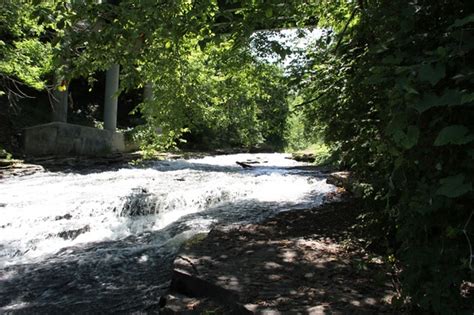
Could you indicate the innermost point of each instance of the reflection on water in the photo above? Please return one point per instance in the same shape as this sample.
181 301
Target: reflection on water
105 241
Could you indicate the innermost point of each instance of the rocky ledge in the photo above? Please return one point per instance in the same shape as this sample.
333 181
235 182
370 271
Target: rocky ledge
302 261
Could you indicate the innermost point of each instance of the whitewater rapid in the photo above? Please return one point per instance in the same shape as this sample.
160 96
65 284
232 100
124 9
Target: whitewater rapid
85 237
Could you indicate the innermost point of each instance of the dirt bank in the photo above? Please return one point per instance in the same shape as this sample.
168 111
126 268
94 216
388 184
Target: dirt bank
304 261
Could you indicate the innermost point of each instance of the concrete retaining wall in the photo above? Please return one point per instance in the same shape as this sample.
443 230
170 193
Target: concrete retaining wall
59 138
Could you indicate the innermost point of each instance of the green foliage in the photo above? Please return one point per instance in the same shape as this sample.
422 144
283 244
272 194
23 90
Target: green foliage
296 137
323 154
215 99
454 134
27 60
4 154
454 186
300 135
209 89
26 54
395 100
389 88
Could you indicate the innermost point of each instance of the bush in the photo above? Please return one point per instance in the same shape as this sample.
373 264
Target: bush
396 100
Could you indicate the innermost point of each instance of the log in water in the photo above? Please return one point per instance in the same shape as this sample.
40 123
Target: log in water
105 241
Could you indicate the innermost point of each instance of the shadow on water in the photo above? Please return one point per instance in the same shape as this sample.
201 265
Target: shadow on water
119 276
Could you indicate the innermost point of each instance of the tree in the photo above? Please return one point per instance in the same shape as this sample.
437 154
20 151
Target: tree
26 54
392 93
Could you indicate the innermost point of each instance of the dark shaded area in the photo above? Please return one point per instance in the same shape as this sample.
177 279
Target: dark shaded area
87 103
84 284
33 110
300 261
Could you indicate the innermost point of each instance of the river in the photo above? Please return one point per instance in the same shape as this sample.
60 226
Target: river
104 241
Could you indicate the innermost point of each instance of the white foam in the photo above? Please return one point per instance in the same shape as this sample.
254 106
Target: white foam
42 207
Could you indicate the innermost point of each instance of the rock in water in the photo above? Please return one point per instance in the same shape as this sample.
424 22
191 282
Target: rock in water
72 234
244 165
139 202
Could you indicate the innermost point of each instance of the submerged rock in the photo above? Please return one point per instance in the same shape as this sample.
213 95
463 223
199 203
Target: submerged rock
139 203
67 216
244 165
72 234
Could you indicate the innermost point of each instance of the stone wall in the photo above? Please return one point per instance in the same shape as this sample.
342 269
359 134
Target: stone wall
59 138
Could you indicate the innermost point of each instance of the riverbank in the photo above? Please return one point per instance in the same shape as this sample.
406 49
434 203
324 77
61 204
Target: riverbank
30 165
301 261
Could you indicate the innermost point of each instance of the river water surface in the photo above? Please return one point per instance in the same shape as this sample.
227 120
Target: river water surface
105 241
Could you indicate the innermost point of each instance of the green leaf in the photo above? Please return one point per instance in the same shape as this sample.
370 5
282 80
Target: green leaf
448 98
398 122
455 134
432 74
413 133
411 90
441 51
467 98
451 232
269 12
405 85
453 186
398 136
461 22
406 140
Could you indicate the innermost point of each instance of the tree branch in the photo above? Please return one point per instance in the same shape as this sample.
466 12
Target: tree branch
317 97
345 28
335 50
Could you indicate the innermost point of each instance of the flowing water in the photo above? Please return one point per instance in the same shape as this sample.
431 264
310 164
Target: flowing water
105 241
